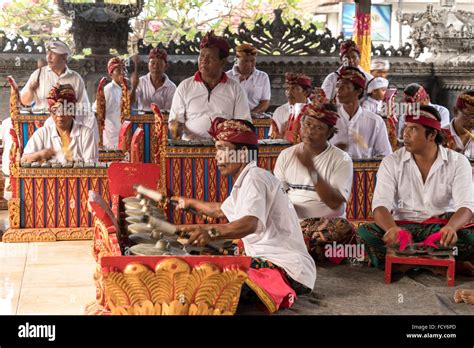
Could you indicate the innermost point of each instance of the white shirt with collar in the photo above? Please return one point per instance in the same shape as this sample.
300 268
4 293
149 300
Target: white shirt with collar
278 237
329 83
400 187
147 94
281 115
83 147
257 85
333 165
7 144
196 106
373 105
113 98
468 149
48 79
371 127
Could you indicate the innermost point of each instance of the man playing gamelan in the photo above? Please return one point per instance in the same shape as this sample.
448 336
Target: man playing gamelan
423 190
57 72
361 133
65 140
155 87
349 53
285 118
318 178
260 213
209 94
113 98
255 82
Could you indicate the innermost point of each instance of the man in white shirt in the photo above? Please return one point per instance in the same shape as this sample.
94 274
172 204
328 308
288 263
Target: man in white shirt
376 89
361 133
415 93
285 118
422 189
255 82
258 209
57 73
66 140
318 177
349 53
6 138
210 93
461 129
113 98
155 87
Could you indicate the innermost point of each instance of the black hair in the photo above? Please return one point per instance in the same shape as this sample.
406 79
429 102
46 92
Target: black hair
411 89
361 94
428 130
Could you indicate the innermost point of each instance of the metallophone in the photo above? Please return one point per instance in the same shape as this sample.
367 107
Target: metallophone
142 266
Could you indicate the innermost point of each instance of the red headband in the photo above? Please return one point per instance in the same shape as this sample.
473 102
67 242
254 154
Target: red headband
158 53
424 118
348 46
113 63
234 131
353 75
298 79
211 40
465 103
326 116
419 96
61 94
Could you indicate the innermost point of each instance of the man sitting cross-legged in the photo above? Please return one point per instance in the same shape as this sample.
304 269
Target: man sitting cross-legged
318 178
422 188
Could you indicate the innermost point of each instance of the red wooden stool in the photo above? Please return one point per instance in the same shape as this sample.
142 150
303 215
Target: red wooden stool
392 259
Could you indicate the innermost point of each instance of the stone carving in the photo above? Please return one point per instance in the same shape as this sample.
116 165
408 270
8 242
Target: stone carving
447 33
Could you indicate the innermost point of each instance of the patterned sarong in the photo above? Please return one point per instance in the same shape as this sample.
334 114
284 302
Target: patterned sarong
371 235
321 231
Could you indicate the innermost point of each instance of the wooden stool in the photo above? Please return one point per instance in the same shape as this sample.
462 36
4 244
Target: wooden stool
392 259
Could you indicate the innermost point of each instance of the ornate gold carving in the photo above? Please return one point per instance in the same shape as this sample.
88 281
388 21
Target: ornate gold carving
14 235
175 288
100 112
125 102
14 213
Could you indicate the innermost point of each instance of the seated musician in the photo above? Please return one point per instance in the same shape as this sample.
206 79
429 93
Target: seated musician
210 93
318 178
57 72
65 140
155 87
361 133
255 82
416 94
113 98
297 91
460 132
422 188
258 210
349 53
376 89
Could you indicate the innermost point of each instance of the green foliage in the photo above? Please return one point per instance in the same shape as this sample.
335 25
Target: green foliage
160 20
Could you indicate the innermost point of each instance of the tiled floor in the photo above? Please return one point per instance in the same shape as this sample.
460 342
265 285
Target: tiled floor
46 278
